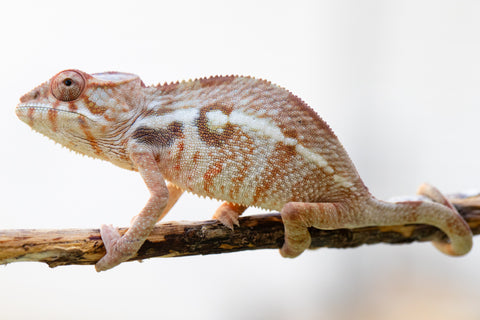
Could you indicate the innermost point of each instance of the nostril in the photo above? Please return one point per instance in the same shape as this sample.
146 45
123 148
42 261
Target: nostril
30 96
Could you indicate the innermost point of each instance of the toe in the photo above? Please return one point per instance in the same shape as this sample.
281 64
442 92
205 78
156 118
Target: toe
109 235
228 221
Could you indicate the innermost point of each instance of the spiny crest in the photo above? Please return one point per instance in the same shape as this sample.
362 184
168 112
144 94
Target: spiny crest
211 81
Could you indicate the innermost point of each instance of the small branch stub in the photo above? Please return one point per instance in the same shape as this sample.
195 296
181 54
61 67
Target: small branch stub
175 239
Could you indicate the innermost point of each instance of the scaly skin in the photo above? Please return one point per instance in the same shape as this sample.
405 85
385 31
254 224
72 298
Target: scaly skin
238 139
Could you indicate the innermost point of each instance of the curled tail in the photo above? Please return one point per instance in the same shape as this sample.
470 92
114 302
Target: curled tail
440 213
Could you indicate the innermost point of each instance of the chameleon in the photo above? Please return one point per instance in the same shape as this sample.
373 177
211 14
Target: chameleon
241 140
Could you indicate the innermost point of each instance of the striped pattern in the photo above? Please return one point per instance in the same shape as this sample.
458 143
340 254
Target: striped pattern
249 142
237 139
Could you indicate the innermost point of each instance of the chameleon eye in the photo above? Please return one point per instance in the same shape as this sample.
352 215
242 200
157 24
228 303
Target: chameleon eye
67 85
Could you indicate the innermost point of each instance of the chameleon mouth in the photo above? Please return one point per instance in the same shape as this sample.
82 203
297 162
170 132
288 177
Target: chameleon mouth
54 123
23 108
31 113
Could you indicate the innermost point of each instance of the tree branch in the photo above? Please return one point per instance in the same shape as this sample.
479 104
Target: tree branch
174 239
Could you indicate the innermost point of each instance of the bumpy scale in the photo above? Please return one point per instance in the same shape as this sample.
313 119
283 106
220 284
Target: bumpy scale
238 139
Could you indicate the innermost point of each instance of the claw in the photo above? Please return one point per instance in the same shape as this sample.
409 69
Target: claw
227 220
228 214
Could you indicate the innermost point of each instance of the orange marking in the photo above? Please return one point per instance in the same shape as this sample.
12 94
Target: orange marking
90 138
213 137
52 116
243 164
178 157
196 157
94 109
30 113
211 173
109 119
72 106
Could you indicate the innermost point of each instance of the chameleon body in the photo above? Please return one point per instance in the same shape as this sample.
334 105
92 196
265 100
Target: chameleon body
238 139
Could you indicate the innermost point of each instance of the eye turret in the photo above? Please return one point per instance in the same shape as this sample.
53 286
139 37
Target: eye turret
67 85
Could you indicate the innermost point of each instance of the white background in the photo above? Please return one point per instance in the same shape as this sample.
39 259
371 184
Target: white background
397 80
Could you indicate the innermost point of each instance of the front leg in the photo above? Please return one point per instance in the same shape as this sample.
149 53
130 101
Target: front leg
174 193
120 249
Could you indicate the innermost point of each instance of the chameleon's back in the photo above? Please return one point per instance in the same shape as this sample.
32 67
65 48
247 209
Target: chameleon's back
245 141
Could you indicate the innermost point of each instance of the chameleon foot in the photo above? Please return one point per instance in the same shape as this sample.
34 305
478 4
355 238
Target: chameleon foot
228 214
297 237
118 249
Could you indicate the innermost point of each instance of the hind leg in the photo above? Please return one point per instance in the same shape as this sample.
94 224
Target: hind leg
174 194
299 216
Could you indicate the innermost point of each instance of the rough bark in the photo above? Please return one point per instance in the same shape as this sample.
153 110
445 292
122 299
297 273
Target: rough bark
174 239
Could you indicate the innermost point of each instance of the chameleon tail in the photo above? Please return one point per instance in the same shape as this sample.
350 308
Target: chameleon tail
441 214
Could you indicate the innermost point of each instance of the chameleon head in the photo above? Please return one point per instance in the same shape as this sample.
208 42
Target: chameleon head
81 111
